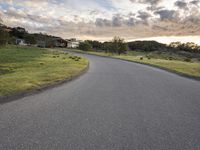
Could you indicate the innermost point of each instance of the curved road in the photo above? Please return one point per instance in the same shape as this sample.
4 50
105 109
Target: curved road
117 105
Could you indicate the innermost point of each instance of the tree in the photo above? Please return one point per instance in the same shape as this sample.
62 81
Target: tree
85 46
189 46
119 46
96 45
108 47
18 32
4 37
1 21
30 39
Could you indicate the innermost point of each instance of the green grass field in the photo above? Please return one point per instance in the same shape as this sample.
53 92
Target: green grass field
180 62
26 68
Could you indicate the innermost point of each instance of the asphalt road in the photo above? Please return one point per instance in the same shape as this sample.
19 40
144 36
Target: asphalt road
116 105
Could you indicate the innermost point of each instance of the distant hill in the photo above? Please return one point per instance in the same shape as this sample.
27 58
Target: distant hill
29 38
156 46
147 45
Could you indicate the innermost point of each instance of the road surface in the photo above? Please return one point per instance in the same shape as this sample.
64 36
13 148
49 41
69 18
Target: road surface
116 105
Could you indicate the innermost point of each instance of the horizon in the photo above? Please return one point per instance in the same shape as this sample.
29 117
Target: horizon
162 39
157 20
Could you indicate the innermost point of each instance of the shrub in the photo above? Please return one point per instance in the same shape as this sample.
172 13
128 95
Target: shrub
85 46
96 45
119 46
77 59
4 37
189 46
148 57
187 59
41 63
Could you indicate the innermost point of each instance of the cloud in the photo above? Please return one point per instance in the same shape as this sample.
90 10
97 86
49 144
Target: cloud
167 14
151 2
104 19
116 21
102 22
195 2
181 4
143 15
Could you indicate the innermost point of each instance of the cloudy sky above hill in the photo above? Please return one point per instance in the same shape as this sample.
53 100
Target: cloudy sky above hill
103 19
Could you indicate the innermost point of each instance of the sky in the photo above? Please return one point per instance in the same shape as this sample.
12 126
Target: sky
104 19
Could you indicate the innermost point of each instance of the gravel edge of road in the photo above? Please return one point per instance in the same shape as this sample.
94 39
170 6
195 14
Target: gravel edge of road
16 96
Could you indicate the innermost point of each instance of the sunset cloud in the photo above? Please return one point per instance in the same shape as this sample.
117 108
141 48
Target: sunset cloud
103 19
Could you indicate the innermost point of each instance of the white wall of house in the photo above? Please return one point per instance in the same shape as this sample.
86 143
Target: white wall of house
73 44
20 42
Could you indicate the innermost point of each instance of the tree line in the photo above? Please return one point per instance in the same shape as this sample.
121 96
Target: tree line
119 46
9 35
189 46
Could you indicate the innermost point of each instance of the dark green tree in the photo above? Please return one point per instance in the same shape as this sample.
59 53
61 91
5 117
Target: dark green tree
4 37
18 32
119 45
85 46
96 45
30 39
108 47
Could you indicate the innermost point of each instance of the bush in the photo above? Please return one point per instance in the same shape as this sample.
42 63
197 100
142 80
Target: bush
189 46
187 59
148 57
4 37
119 46
85 46
30 39
96 45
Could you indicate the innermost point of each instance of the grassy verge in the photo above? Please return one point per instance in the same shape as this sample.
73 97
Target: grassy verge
184 63
26 68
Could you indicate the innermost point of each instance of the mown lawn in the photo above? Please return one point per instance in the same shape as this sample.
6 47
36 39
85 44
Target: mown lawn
181 62
27 68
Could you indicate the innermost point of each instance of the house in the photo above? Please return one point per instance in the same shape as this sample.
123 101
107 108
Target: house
52 42
20 42
59 42
73 43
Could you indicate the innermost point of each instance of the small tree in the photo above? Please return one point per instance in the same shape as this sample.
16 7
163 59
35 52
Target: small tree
85 46
1 21
30 39
108 47
96 45
4 37
119 46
